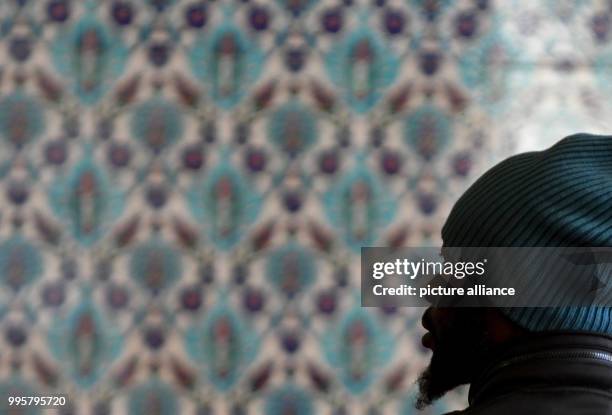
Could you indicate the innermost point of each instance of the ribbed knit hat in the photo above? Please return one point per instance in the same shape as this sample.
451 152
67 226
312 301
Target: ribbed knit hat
558 197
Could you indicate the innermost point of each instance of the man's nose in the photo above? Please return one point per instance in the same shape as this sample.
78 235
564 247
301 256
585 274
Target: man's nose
426 319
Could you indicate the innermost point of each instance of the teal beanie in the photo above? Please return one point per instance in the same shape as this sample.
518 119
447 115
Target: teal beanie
558 197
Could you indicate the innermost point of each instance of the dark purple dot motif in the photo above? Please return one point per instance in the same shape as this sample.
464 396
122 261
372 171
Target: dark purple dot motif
430 63
104 129
103 270
58 10
482 4
331 20
208 132
326 302
68 268
241 133
341 276
391 163
156 196
290 341
55 152
17 221
462 164
328 162
253 300
119 155
255 160
466 25
427 203
259 18
17 193
343 137
191 299
600 25
159 54
565 65
195 15
240 274
377 136
160 5
430 9
296 7
295 59
53 295
71 127
292 201
15 336
154 337
122 13
117 297
206 273
193 157
394 21
388 310
20 48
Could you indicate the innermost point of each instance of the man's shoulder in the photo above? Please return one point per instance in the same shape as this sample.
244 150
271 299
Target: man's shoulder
544 401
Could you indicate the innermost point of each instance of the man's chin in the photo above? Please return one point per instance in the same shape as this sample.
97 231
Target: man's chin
436 380
428 392
460 348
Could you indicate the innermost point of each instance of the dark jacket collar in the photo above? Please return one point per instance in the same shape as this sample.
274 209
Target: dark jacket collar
550 359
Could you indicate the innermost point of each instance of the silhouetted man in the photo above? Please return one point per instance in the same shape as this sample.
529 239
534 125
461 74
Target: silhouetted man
529 360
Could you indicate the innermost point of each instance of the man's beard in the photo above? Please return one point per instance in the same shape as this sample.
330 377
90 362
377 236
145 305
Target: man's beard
460 350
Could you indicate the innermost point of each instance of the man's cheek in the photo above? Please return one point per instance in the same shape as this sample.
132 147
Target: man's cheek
443 320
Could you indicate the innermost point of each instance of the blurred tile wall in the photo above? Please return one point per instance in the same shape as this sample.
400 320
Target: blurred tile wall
185 186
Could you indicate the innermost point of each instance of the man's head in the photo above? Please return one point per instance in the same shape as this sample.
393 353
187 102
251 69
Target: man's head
558 197
462 340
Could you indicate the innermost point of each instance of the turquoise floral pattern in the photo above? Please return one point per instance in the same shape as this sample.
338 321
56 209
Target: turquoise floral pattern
186 186
90 56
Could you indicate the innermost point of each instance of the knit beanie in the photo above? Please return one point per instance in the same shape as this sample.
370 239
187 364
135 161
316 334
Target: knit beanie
558 197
